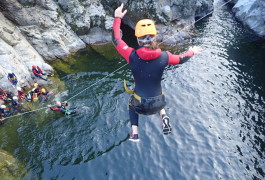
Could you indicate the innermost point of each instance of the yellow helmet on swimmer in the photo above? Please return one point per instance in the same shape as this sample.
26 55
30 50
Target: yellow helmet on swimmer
43 90
35 85
145 27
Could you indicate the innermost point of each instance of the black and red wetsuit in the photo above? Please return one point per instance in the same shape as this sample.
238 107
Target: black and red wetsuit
38 72
3 94
59 108
21 95
3 114
64 110
147 67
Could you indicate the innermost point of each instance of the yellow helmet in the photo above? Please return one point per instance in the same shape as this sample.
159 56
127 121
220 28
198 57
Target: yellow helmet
35 85
145 27
43 90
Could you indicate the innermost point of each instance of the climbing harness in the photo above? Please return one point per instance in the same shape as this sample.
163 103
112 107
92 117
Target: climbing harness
131 91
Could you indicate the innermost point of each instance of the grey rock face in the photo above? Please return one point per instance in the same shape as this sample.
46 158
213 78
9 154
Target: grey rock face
17 55
43 26
252 14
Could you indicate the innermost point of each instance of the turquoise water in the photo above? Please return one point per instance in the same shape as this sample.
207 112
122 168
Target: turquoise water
215 102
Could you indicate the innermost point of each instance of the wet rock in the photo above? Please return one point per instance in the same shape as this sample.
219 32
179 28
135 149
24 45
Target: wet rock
43 26
252 14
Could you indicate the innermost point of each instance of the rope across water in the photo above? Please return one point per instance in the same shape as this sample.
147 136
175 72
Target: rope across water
116 69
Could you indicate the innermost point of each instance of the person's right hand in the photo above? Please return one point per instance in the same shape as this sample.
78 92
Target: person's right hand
195 49
119 13
49 105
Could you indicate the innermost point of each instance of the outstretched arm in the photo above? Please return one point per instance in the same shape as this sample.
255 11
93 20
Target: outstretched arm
53 109
120 45
180 59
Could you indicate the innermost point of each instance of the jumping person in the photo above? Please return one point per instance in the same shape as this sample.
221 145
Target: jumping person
38 72
147 64
12 78
63 108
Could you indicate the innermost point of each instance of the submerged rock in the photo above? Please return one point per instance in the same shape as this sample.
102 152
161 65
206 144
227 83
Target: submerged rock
10 168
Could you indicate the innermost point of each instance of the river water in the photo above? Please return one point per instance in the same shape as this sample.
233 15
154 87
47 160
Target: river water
215 102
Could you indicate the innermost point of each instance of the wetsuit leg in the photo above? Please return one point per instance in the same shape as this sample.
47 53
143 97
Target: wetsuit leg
43 78
133 117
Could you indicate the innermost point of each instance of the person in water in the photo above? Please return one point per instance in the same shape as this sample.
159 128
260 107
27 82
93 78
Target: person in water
38 72
12 78
63 108
147 64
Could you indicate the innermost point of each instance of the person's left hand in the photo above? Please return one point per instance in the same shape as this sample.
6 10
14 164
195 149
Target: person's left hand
195 49
119 13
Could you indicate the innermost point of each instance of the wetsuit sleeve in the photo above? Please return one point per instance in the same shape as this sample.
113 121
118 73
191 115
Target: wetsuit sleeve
120 45
179 59
40 70
35 72
55 109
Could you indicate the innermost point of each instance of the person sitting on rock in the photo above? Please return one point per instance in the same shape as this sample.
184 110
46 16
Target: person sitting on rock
35 92
3 95
15 104
62 108
3 113
12 78
20 93
38 72
147 64
45 94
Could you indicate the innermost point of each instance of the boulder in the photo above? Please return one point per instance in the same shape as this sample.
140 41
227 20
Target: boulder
252 14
